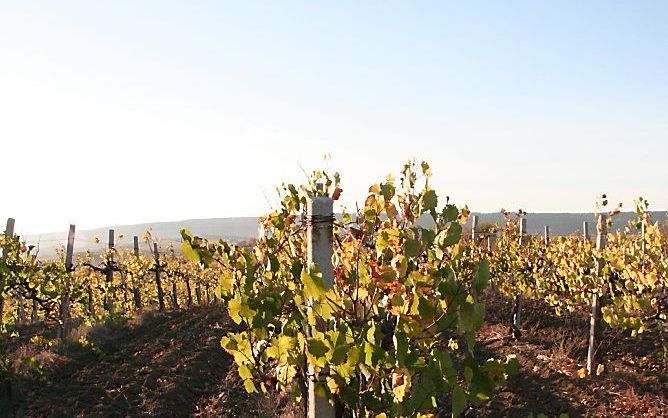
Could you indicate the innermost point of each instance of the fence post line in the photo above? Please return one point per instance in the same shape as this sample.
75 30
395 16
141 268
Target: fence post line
595 317
546 238
156 257
135 288
9 231
320 248
474 229
65 301
517 308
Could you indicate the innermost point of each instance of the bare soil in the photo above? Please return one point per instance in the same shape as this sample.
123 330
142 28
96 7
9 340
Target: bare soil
171 365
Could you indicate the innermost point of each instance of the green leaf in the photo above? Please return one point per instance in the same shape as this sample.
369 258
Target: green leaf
411 247
512 365
429 200
317 348
387 190
452 235
314 286
458 401
481 277
451 213
401 347
471 317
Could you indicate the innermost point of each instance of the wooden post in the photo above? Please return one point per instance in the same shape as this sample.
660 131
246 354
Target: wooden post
643 244
135 287
175 300
136 245
9 232
189 292
156 255
109 297
489 243
320 238
474 229
517 308
198 288
585 230
595 317
546 239
69 254
34 315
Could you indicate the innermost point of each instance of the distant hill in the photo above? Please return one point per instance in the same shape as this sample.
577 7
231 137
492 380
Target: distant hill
565 223
240 229
229 229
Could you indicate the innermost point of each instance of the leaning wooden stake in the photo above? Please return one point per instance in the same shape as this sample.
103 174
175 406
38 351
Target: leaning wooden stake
595 317
517 308
9 232
156 255
320 238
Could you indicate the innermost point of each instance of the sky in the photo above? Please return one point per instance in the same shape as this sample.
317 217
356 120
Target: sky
129 112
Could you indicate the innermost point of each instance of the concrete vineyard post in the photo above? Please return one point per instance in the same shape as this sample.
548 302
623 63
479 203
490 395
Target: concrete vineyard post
546 238
474 229
595 317
320 238
9 232
156 255
65 301
135 286
585 230
517 308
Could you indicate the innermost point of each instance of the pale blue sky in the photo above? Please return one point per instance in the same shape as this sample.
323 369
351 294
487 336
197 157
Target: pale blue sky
190 110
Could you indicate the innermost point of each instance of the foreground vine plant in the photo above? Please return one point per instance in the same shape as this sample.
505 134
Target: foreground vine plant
400 322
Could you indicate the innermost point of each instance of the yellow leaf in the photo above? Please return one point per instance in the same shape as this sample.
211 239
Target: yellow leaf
401 383
600 369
